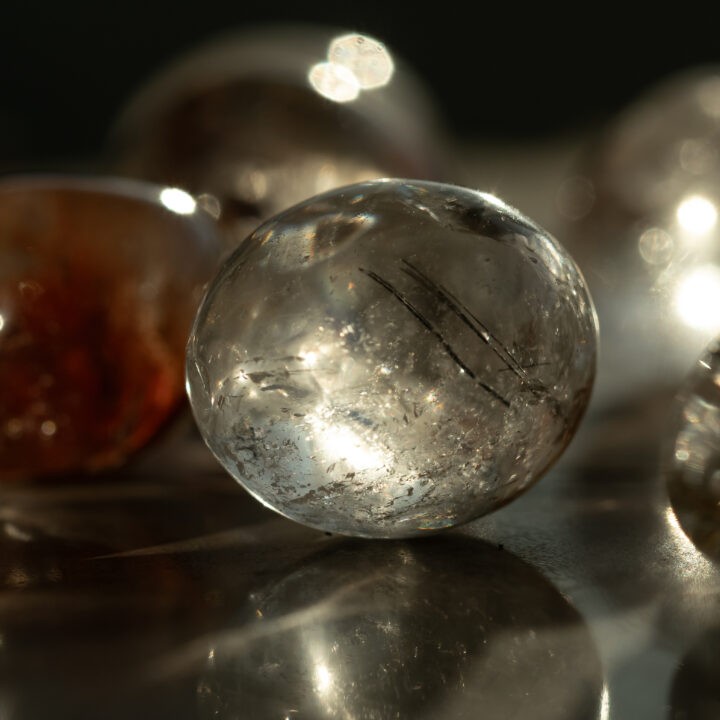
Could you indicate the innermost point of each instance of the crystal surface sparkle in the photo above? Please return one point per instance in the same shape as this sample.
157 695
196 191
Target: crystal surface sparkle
99 281
392 357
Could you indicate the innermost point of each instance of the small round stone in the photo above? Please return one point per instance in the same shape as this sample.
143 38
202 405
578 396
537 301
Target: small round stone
392 357
693 458
99 281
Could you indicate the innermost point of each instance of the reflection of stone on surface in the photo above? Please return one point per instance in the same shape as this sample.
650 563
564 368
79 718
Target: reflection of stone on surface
99 282
693 462
437 628
260 121
695 693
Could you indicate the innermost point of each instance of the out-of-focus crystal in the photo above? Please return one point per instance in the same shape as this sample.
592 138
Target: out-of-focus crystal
693 457
642 224
99 281
264 119
392 357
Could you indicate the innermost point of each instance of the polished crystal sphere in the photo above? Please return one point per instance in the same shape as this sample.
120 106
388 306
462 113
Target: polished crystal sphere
99 282
693 457
265 118
642 224
392 357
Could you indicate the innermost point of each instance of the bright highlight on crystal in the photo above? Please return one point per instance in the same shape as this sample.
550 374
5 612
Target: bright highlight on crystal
178 201
334 82
697 215
368 60
354 63
698 298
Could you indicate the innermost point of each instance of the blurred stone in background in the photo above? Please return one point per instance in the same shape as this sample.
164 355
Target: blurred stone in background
260 120
693 455
99 282
641 220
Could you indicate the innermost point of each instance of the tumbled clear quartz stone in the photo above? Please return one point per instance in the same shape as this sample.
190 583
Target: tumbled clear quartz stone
392 357
261 119
693 460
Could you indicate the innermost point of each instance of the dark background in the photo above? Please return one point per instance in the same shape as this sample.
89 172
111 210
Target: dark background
497 71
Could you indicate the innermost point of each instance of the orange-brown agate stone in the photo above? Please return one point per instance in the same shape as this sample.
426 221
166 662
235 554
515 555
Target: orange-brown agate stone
99 282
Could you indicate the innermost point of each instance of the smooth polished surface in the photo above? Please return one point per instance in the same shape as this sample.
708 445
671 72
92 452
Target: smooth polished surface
260 120
99 282
392 358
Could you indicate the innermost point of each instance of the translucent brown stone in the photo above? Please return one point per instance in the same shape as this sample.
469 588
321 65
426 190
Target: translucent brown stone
98 284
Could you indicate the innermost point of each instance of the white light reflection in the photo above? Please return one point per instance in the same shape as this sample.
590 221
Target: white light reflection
690 563
697 298
696 215
339 443
323 678
354 62
2 322
678 534
334 82
178 201
309 358
604 704
367 59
